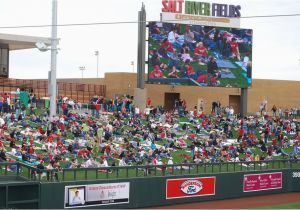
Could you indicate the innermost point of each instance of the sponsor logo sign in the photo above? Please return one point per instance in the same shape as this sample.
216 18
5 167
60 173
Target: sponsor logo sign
96 194
182 188
201 8
296 174
260 182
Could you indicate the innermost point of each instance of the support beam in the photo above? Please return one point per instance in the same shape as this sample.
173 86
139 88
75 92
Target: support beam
244 101
141 48
53 59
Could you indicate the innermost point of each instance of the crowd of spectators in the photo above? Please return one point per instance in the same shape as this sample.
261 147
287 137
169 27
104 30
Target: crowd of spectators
118 134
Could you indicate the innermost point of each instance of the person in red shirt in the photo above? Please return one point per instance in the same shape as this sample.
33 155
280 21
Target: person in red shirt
190 72
235 49
107 150
215 81
64 108
59 143
98 107
156 73
83 153
31 142
203 78
62 127
241 134
274 142
201 53
149 102
165 47
50 138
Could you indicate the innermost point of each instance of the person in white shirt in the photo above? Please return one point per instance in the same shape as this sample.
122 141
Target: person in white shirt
105 164
137 110
2 122
175 39
89 163
170 161
231 111
8 101
172 36
122 162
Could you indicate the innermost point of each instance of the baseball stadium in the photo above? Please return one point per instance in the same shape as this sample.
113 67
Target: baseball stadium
196 124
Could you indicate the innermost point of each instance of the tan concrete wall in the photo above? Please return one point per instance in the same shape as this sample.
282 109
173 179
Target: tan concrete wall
191 94
94 81
91 81
281 93
120 83
285 94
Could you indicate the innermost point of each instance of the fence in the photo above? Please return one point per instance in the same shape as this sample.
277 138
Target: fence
80 174
227 180
75 91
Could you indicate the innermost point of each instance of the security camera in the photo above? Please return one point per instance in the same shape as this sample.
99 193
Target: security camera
41 46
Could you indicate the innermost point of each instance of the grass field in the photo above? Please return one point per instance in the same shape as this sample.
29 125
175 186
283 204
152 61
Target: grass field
284 206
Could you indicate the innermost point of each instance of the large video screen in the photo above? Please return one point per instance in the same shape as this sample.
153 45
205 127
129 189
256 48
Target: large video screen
196 55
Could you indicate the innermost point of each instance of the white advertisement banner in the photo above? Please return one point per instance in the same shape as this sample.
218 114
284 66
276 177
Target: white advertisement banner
200 20
96 194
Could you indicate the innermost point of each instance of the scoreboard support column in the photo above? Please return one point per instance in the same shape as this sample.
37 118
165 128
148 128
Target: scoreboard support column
140 93
244 101
141 48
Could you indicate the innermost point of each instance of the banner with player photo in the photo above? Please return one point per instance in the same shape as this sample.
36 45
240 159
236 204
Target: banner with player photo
96 194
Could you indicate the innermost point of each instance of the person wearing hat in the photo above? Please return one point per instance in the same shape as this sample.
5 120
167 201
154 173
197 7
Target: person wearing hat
156 73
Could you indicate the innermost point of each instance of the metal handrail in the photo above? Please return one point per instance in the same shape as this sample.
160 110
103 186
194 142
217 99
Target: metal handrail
118 172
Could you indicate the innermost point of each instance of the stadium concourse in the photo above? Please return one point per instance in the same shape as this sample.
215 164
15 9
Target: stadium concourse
118 134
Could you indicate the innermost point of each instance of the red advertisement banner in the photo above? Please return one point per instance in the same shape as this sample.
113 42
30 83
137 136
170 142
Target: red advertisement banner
183 188
259 182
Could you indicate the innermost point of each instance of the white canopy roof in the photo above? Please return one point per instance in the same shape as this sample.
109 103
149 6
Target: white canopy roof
20 42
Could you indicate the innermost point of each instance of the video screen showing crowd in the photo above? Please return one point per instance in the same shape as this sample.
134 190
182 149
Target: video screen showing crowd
199 55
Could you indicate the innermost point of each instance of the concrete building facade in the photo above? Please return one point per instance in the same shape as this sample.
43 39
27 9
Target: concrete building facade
281 93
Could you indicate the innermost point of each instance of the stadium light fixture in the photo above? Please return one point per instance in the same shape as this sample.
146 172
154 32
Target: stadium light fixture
82 69
132 63
41 46
97 55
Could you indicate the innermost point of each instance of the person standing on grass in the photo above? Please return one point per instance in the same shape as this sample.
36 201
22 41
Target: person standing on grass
1 103
274 110
296 145
100 132
33 101
149 102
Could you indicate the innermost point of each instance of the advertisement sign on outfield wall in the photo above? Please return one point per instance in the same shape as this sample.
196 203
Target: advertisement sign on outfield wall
260 182
184 188
96 194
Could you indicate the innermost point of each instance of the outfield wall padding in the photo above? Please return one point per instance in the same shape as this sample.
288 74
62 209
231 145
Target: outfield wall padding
151 191
143 192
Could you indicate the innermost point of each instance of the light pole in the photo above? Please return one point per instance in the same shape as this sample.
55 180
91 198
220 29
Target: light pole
82 68
132 63
54 51
97 55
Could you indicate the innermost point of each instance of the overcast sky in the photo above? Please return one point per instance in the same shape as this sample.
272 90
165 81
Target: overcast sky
276 40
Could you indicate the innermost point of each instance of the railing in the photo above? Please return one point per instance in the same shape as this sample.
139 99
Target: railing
76 91
34 174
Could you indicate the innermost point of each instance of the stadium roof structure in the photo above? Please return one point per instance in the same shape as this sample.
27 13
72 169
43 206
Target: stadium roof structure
21 42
